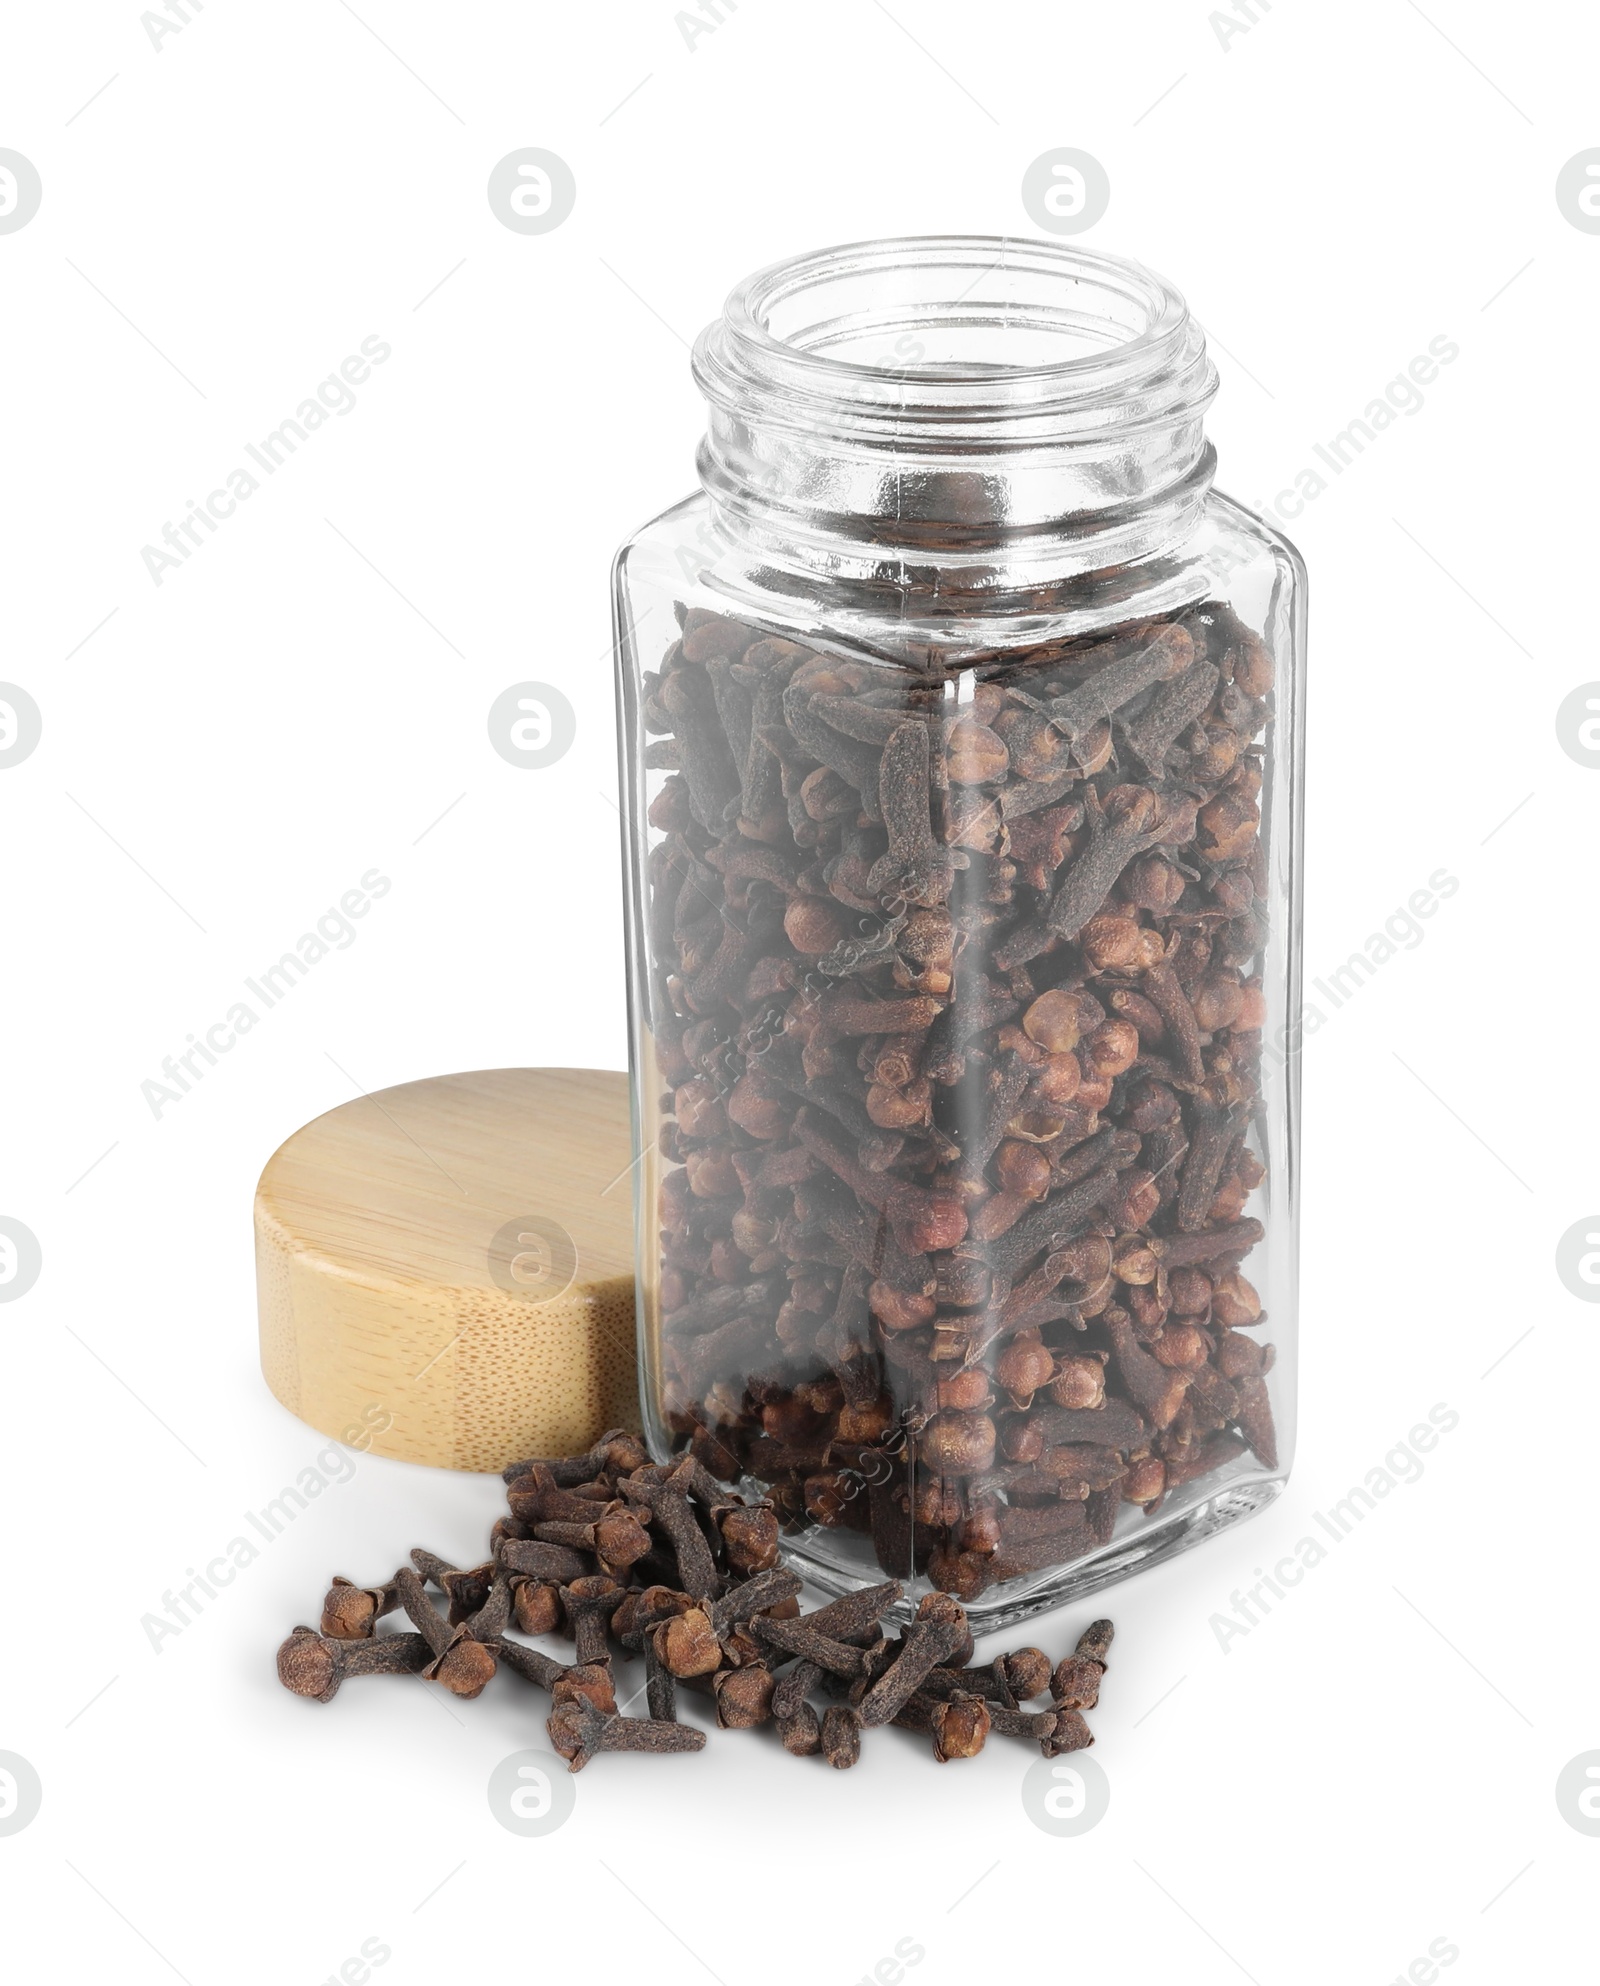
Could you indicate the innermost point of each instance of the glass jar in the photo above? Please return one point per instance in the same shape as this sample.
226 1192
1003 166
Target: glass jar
961 727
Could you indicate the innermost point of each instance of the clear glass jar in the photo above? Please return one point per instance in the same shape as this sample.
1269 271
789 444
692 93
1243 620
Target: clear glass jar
961 728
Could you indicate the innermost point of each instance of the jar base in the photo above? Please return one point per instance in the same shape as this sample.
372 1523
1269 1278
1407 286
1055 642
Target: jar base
820 1556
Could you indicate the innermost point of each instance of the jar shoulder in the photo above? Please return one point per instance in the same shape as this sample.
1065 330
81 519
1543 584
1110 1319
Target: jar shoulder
1234 556
1233 540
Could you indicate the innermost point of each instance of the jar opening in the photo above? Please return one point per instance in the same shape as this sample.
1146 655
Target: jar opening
951 308
953 325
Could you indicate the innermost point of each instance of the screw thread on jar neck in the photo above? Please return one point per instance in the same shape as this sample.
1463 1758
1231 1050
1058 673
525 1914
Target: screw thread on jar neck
959 413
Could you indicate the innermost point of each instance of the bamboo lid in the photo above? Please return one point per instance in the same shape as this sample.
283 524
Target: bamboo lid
444 1270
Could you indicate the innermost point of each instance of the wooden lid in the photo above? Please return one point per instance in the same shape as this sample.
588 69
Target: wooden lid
444 1270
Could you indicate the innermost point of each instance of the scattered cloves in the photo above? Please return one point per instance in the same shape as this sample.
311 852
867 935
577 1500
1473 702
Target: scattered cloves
741 1641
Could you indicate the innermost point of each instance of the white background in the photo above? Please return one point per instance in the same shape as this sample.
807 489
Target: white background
1371 1768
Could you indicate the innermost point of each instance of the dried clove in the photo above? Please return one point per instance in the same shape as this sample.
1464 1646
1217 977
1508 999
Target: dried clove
616 1449
617 1539
661 1687
800 1731
800 1638
462 1665
494 1616
789 1698
1008 1679
559 1564
579 1732
960 1724
1069 1733
669 1505
587 1682
535 1604
839 1738
465 1587
1034 1725
749 1538
743 1696
529 1662
855 1614
687 1645
938 1631
589 1604
351 1612
314 1665
1075 1683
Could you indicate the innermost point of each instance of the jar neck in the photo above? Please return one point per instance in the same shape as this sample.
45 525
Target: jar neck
955 415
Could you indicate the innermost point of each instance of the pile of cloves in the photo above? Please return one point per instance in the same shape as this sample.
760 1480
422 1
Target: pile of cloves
660 1561
953 980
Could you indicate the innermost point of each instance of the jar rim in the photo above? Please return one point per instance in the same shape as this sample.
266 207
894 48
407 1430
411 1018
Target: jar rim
1124 331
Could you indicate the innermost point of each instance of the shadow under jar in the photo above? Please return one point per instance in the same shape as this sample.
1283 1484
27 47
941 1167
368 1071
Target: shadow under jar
961 759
